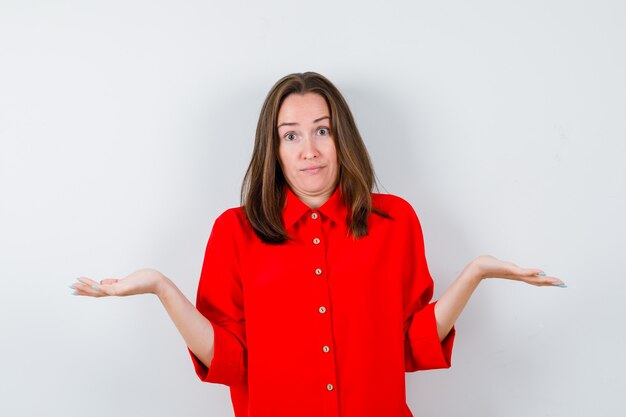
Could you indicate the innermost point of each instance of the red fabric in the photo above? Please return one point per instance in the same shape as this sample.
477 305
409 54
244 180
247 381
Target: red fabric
270 334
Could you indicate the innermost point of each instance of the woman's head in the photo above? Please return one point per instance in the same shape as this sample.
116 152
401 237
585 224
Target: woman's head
264 184
306 147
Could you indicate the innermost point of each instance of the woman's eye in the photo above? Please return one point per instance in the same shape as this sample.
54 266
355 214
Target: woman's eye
323 131
290 136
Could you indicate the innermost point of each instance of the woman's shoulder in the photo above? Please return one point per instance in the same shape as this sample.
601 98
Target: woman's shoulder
234 216
232 225
396 212
391 204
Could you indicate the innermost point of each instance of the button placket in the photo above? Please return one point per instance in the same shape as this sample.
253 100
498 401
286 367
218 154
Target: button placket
316 246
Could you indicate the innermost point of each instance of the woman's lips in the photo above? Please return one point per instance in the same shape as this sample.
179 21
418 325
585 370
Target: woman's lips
312 170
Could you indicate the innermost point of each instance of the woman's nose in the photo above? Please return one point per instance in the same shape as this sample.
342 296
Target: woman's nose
310 149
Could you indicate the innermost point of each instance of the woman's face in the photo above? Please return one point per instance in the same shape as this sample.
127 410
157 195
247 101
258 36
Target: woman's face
307 152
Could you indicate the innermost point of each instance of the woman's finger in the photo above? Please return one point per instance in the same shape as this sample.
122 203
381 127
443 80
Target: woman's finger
86 286
541 279
535 271
555 282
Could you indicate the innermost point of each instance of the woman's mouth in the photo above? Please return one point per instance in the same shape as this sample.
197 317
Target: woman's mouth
312 170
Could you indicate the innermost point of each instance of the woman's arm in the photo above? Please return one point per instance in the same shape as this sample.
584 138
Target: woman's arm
192 325
453 301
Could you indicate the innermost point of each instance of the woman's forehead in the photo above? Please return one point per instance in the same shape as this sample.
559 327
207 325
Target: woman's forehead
302 108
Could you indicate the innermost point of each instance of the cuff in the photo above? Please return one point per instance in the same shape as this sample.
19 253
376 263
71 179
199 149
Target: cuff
423 348
227 366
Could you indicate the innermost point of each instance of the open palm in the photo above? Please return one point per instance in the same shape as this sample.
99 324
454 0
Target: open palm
143 281
491 267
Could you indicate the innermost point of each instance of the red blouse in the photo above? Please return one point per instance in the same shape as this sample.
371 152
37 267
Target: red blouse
324 324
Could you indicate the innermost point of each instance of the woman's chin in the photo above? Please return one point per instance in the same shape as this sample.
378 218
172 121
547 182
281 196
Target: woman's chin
312 190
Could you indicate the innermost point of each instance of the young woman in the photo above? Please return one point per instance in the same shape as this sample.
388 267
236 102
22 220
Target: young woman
315 296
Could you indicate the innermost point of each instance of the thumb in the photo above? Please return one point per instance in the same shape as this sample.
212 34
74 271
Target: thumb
534 271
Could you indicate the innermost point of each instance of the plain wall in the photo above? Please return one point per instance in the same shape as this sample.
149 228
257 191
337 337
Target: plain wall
126 127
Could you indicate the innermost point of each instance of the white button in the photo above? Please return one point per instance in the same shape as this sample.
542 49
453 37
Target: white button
322 310
329 387
326 349
314 216
318 271
316 241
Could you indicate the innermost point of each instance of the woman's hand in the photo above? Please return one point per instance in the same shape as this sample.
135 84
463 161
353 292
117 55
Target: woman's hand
196 329
144 281
487 266
453 301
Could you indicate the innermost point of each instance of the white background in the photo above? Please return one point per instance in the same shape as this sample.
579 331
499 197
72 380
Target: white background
126 127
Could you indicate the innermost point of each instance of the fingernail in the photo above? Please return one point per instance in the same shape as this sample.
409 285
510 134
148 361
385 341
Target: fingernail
74 293
562 286
73 287
95 288
542 274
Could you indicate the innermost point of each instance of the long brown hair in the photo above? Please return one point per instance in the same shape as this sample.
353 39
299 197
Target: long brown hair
263 189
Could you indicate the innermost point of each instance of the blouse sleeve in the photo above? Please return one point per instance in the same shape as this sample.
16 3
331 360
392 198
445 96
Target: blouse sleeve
220 299
423 350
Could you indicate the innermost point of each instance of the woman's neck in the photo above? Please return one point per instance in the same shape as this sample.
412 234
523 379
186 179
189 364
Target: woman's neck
314 201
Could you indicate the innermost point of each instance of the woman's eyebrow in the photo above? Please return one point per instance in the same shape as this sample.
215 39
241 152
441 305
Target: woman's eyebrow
295 124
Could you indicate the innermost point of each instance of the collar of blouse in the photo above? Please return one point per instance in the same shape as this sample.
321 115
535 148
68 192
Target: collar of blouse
334 209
